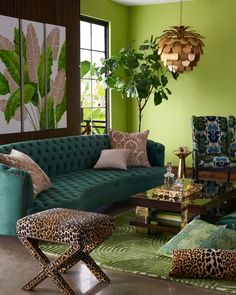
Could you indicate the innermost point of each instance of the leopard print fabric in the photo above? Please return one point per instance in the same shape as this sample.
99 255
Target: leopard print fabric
204 263
67 226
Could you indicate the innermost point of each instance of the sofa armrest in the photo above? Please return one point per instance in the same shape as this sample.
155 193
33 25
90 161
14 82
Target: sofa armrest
16 195
156 153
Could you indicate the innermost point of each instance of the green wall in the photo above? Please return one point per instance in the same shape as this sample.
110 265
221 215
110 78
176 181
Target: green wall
117 16
210 88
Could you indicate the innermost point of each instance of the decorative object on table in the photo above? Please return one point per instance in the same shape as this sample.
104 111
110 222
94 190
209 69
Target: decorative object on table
175 194
204 263
128 251
169 177
164 199
179 47
214 147
182 153
136 74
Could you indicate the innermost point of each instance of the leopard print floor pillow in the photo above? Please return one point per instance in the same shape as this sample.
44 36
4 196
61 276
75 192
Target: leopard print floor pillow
204 263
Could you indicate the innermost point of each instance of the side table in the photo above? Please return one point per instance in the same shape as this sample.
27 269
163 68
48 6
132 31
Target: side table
182 167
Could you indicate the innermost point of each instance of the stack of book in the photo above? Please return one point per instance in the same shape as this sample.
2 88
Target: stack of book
167 218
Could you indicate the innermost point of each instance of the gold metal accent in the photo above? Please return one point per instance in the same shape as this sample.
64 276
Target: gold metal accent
182 166
179 47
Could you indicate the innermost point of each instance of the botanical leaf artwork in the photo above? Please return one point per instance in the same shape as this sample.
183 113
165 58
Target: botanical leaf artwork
17 116
32 53
43 63
12 84
6 44
52 41
58 86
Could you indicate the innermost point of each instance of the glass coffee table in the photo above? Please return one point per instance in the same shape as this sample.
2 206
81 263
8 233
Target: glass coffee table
186 202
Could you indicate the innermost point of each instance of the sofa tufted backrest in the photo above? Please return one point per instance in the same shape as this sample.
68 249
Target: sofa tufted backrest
63 154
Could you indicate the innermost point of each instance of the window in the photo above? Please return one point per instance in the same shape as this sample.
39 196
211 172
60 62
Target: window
94 98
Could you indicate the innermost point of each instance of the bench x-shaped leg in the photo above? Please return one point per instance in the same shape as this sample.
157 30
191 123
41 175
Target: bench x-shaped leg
52 269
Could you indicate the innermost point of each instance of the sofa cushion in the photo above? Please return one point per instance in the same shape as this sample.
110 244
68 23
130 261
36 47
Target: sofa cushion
200 234
228 220
90 189
136 142
204 263
20 160
113 158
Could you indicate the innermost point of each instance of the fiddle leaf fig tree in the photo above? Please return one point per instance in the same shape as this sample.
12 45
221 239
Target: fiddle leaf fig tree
137 74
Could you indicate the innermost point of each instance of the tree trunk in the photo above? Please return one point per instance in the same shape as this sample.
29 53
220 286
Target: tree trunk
139 118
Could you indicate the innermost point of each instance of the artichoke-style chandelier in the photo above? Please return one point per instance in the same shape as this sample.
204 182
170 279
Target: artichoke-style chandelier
179 47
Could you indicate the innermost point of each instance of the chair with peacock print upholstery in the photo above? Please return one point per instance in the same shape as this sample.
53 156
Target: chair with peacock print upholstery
214 144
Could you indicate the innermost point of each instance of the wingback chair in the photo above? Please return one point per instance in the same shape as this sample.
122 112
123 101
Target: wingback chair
214 144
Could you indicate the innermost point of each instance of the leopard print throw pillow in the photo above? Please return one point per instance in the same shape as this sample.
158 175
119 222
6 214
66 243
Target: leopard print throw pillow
204 263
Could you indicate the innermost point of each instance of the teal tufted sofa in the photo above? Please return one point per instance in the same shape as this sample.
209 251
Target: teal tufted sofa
69 161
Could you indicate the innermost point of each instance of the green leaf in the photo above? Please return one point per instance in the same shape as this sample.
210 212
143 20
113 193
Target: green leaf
164 95
12 62
61 108
175 75
157 98
51 115
84 68
62 57
131 91
110 81
164 80
14 101
29 92
12 105
35 98
17 42
41 77
4 86
155 82
168 90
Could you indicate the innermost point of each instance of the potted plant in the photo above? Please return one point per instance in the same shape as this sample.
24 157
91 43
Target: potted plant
137 74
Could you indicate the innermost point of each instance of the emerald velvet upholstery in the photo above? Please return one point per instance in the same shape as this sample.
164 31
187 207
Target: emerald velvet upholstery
214 144
69 162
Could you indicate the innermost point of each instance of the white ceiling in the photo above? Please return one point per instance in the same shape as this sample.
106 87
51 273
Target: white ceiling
144 2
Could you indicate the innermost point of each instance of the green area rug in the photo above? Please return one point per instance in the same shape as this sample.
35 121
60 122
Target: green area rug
130 251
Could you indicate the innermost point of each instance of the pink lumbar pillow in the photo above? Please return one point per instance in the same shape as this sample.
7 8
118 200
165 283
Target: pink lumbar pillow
113 159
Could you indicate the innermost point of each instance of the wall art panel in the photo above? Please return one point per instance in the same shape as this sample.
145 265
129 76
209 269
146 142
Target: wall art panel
10 105
56 47
33 78
32 75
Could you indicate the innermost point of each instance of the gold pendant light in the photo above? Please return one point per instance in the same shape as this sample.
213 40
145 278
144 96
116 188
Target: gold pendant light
180 48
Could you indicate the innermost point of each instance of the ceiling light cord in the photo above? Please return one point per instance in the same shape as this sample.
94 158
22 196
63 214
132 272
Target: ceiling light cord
181 12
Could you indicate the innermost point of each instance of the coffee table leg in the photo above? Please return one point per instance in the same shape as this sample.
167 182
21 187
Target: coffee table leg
184 214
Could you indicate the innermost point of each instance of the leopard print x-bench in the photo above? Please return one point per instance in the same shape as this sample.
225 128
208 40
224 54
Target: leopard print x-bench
83 231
